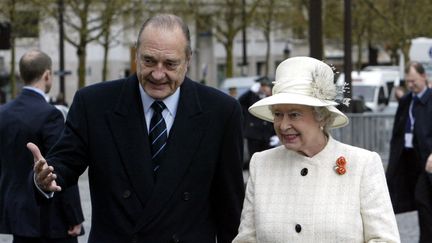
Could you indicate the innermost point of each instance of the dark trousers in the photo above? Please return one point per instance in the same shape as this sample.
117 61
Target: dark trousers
423 199
21 239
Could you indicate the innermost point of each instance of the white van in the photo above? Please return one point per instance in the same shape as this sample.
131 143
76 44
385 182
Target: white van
240 84
421 51
373 86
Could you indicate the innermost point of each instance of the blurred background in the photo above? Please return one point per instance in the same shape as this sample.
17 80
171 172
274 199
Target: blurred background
92 41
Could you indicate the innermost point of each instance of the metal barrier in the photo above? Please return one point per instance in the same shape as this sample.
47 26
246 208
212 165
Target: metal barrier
371 131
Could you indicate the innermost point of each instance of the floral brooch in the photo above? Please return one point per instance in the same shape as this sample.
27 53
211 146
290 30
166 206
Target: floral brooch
340 165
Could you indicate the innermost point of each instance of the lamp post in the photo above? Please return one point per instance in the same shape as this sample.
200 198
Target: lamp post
347 48
61 48
286 51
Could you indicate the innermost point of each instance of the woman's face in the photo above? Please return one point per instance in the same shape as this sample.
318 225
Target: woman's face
298 129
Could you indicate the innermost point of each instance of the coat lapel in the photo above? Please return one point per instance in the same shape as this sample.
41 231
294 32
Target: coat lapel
130 133
183 142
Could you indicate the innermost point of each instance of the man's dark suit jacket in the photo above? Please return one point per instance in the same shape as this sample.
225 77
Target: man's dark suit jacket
199 190
29 118
399 181
254 127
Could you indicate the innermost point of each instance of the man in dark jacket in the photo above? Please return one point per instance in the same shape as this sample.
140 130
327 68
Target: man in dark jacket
256 131
30 118
410 147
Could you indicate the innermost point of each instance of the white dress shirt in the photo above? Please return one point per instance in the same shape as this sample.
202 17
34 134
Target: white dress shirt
171 103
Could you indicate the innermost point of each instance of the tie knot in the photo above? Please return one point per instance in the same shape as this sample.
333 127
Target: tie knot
158 106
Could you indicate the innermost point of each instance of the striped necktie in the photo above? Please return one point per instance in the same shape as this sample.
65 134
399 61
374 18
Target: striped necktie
157 133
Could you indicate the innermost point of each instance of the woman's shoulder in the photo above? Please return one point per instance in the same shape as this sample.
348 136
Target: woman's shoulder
356 153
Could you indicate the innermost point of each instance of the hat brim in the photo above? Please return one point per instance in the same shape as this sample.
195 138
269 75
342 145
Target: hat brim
261 109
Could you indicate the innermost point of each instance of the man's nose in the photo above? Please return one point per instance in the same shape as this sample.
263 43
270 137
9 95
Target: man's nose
158 73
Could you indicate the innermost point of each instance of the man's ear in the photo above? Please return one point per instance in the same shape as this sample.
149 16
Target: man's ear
46 75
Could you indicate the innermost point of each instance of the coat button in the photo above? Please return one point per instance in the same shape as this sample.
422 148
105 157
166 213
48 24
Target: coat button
186 196
126 194
298 228
175 238
304 171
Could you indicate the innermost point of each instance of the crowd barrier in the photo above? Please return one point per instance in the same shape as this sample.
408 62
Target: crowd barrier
371 131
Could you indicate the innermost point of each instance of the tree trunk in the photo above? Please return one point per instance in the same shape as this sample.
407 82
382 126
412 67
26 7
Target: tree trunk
315 29
12 75
267 57
105 57
359 53
81 52
229 58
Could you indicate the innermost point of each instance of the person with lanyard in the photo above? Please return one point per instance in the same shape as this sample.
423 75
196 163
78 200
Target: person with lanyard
410 162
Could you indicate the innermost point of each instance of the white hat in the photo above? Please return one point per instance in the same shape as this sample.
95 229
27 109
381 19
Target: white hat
302 81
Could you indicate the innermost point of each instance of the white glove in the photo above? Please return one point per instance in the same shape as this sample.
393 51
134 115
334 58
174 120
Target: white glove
274 141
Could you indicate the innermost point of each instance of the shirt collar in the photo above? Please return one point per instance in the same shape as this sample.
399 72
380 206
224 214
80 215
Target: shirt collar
39 91
419 95
170 102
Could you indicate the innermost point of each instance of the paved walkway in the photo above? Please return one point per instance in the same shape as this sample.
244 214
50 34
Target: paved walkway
407 222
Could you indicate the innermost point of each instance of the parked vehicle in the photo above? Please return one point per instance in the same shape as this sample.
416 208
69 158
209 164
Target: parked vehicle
374 87
236 86
421 51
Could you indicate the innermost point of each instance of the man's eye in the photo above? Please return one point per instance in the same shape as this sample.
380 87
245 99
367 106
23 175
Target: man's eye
171 65
148 60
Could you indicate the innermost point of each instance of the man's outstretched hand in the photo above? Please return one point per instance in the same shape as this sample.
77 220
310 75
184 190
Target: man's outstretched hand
44 174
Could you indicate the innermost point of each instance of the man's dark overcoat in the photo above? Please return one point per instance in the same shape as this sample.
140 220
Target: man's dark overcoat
199 190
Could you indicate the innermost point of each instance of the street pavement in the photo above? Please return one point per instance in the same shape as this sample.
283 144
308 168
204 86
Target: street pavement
407 222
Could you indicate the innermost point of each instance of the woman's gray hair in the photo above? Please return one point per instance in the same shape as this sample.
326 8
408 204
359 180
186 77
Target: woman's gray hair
322 114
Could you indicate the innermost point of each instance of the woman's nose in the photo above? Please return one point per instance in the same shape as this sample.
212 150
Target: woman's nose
285 124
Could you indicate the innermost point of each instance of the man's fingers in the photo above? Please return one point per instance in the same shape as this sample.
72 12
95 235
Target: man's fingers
44 174
35 151
40 165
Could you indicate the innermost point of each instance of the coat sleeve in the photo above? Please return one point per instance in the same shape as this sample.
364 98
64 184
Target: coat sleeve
247 231
379 221
228 187
69 198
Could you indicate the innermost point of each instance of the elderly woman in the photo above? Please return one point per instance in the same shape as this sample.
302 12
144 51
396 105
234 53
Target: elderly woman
313 188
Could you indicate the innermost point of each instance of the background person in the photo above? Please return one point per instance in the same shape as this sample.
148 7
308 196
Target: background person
256 131
188 189
30 118
410 146
312 188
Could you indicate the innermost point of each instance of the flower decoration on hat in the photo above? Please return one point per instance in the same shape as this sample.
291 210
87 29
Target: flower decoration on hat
340 167
322 84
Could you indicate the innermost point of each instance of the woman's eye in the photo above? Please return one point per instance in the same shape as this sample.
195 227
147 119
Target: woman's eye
294 115
277 114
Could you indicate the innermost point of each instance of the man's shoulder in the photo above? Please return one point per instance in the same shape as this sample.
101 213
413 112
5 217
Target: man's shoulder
103 86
